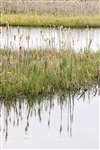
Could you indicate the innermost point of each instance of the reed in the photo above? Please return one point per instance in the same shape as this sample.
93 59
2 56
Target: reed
32 72
54 7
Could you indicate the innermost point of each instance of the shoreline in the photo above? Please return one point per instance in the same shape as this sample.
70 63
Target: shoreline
28 20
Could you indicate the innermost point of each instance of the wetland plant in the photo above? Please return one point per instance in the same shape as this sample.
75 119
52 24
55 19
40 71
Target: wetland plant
32 72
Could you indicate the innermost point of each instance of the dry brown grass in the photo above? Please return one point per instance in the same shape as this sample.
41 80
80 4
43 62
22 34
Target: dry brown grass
68 7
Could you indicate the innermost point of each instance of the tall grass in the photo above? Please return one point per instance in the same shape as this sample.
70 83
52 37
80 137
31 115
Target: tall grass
50 21
51 7
41 72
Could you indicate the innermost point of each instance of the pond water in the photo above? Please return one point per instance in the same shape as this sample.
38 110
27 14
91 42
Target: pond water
54 122
49 38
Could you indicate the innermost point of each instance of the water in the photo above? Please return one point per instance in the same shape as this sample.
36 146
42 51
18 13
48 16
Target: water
39 38
54 122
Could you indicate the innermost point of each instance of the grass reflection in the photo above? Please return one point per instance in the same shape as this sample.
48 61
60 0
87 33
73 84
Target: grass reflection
23 110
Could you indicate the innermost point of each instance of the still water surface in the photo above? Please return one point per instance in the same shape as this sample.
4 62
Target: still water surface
55 122
39 38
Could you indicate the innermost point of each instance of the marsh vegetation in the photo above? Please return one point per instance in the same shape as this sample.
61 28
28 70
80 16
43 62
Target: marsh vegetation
29 20
46 69
35 72
51 7
50 76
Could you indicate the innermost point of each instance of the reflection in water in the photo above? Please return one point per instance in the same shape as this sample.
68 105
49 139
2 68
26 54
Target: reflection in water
21 111
50 38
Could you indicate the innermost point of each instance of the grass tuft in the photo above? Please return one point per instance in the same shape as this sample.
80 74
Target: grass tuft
31 72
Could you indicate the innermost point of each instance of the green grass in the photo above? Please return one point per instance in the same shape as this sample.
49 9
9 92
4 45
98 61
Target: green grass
50 21
39 72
